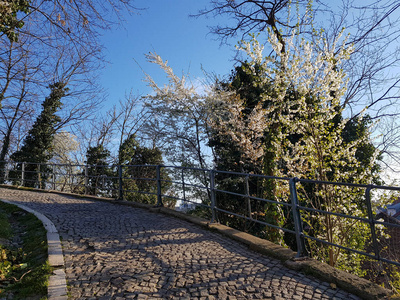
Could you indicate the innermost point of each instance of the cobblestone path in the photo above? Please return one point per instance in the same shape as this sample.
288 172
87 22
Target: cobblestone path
120 252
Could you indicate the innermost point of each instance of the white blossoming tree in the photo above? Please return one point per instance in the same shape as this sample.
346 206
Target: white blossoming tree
178 125
179 118
302 113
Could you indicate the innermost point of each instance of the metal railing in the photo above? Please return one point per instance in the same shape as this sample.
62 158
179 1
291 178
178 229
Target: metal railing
230 197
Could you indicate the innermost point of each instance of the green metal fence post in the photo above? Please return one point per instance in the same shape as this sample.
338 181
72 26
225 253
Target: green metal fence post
248 195
212 191
53 177
86 179
121 191
301 246
159 196
371 222
23 174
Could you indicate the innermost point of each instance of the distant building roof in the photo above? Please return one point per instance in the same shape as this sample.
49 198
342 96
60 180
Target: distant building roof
394 205
393 209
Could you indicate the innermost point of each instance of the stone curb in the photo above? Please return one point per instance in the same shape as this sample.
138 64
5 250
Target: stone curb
57 285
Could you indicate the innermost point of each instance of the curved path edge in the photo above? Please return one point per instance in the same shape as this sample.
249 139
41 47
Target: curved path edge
57 285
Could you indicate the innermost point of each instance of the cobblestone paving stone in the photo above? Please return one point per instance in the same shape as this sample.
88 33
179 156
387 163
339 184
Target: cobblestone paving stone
120 252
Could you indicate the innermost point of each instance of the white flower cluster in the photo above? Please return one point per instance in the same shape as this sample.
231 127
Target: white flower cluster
228 120
5 8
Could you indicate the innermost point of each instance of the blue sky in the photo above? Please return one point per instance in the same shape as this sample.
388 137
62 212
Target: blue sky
166 28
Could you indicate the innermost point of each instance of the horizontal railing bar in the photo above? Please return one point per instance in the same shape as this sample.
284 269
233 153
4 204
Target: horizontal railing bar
372 186
333 213
341 247
196 186
270 201
390 261
254 198
251 175
186 168
230 193
137 178
140 192
255 220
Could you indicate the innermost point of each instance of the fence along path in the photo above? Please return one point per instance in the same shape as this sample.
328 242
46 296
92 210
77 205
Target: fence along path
120 252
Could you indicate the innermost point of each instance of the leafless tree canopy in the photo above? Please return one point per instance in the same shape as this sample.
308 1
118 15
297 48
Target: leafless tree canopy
251 16
57 43
74 18
111 128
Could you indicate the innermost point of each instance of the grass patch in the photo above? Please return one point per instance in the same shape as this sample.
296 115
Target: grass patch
24 268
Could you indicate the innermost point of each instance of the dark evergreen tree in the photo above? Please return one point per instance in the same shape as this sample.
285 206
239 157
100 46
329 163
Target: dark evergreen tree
357 128
37 146
99 181
139 171
127 150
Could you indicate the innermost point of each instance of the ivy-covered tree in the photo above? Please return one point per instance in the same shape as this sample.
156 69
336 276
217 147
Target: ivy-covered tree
37 147
357 129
